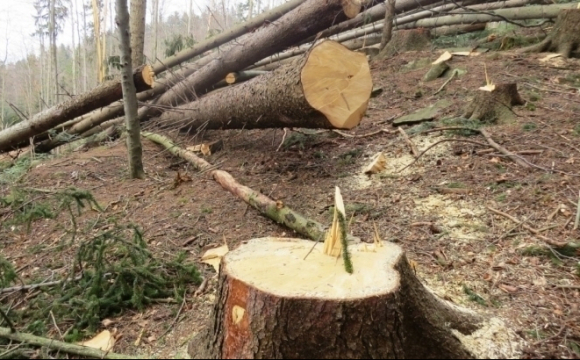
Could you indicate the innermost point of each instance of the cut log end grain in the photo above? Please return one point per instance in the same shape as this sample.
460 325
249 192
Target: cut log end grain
337 82
351 8
277 266
148 75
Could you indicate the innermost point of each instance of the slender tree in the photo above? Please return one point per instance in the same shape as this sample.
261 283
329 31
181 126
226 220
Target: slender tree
134 148
138 8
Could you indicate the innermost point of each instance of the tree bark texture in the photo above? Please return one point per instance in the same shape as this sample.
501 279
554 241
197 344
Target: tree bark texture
255 318
280 98
307 19
137 26
496 105
134 148
564 37
388 24
98 97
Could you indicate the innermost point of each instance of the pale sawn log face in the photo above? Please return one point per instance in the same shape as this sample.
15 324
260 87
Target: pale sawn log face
403 320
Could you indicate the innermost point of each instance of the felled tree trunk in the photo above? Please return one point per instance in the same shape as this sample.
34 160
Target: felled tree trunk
328 88
283 299
100 96
495 105
307 19
564 37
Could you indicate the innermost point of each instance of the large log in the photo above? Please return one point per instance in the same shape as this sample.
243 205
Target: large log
328 88
280 298
100 96
305 20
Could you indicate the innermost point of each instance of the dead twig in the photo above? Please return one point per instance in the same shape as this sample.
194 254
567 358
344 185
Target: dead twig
518 160
577 213
283 139
409 142
174 320
529 228
437 143
201 288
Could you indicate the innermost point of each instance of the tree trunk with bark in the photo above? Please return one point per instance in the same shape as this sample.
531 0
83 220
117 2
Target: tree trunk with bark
307 19
100 96
328 88
495 105
564 37
53 58
134 148
138 10
388 24
282 298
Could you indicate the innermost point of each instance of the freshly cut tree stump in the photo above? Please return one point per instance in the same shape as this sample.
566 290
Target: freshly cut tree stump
279 298
329 87
564 37
495 105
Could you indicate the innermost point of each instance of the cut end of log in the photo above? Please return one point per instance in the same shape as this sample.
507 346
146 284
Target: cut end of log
278 266
351 8
231 78
148 75
337 82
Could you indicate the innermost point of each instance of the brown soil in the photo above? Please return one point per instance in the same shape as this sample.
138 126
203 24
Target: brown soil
435 209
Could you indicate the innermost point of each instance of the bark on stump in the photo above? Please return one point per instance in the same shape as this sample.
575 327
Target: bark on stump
274 302
407 40
564 37
327 88
493 106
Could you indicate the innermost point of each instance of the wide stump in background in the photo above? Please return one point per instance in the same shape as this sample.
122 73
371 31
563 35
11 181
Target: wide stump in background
277 300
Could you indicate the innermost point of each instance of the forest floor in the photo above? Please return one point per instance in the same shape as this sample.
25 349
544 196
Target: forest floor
437 209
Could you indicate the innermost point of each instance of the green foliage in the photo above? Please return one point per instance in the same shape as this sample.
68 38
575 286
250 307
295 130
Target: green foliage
462 122
473 296
176 43
7 273
350 156
577 130
113 271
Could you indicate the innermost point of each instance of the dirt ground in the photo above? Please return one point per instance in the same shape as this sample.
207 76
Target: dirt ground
437 209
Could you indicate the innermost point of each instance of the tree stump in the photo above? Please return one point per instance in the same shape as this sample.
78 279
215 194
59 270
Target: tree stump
564 37
491 106
281 298
407 40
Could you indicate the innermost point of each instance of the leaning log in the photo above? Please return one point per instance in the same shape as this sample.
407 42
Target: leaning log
280 298
307 19
100 96
328 88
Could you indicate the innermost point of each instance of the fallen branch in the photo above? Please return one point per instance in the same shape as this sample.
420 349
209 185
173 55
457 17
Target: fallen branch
437 143
551 242
60 345
518 160
577 213
409 142
275 210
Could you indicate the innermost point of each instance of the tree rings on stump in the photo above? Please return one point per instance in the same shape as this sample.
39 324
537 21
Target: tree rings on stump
494 105
281 298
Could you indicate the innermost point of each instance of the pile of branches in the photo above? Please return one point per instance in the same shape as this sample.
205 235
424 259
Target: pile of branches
262 44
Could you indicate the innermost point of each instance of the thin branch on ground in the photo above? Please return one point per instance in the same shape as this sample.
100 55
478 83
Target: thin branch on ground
409 142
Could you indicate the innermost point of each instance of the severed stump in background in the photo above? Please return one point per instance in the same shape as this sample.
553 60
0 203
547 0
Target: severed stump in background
329 87
280 298
493 103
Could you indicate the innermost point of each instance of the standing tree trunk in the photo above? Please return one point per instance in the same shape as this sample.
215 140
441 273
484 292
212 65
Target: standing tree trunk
74 47
129 94
155 21
138 8
98 43
388 25
53 60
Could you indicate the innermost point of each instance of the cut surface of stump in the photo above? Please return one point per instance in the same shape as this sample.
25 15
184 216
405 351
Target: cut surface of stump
564 37
494 105
329 87
282 298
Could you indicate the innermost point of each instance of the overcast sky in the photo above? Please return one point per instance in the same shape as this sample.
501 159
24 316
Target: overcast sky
17 23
